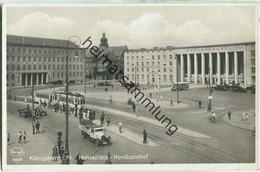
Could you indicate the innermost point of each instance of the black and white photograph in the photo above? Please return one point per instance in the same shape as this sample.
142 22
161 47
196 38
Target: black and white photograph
134 84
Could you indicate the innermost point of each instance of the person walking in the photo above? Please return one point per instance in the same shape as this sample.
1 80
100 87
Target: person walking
24 136
161 97
246 116
133 106
79 160
171 102
200 103
120 127
59 142
243 115
20 135
55 153
111 101
144 137
37 127
108 120
229 114
102 118
33 124
108 160
8 138
61 152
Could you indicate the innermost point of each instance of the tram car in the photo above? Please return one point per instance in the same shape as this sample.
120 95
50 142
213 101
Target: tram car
74 99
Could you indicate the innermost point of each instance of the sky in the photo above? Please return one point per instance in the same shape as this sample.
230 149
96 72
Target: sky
137 26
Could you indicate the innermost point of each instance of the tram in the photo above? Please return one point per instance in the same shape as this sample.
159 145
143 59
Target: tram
74 99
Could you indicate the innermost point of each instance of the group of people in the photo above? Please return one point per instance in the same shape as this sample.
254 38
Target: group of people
36 126
21 137
102 119
58 150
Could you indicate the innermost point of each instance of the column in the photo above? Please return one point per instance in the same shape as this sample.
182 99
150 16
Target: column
219 67
236 66
42 79
196 68
189 67
175 68
227 67
31 78
210 68
25 83
182 68
203 68
245 67
36 79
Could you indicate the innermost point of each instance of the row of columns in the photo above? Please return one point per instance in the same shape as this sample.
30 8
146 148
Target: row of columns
203 75
37 78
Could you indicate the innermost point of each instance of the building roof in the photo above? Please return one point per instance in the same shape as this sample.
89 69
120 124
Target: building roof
201 46
36 41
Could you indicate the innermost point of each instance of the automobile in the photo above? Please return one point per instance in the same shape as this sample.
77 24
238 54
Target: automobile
220 88
25 112
180 86
239 89
104 84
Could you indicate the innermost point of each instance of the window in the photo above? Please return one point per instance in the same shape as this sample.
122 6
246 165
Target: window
13 58
53 59
12 76
18 58
24 50
62 74
53 67
164 57
7 76
127 69
49 67
142 69
18 67
45 51
34 67
34 59
170 77
40 67
19 50
35 51
170 63
58 75
7 67
252 61
158 56
44 67
58 59
29 59
24 59
77 74
170 56
164 78
40 59
81 74
74 74
77 53
30 51
253 70
74 66
40 51
133 69
164 69
58 67
44 59
13 67
53 75
142 76
153 57
62 67
29 67
253 53
23 67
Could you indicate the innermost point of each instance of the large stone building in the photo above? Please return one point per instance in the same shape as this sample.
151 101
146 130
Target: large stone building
96 70
219 64
42 60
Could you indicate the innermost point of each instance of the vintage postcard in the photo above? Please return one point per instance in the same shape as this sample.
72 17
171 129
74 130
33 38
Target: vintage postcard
166 86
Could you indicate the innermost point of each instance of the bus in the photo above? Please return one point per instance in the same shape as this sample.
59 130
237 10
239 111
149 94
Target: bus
181 86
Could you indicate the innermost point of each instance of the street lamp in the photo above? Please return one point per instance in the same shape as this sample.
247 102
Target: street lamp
66 152
177 79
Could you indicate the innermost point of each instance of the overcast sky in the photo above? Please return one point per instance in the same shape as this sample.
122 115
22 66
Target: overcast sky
138 26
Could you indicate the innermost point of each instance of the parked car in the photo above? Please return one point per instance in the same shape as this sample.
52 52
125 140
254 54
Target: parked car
220 88
25 112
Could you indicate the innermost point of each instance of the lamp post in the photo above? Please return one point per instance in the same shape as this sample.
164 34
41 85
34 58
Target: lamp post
159 80
177 79
66 152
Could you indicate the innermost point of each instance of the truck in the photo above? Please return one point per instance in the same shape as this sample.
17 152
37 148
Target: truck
94 132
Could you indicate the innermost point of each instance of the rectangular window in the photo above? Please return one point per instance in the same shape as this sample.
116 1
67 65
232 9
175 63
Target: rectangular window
253 53
18 67
30 51
40 67
18 58
35 59
34 67
170 56
12 76
58 75
158 56
49 67
23 67
29 67
53 67
170 63
252 61
34 51
44 67
164 69
24 59
164 57
164 78
13 58
253 70
170 77
13 67
29 59
24 51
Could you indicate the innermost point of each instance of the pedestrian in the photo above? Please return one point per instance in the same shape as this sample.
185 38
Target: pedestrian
55 153
111 101
161 97
229 114
14 97
59 142
171 102
133 106
108 120
24 136
144 137
200 103
59 133
28 107
20 137
243 115
79 160
25 99
151 94
120 127
61 152
33 124
112 86
38 127
94 85
8 138
108 160
76 110
102 118
246 116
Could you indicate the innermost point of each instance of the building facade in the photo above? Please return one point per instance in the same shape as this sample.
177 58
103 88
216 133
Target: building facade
217 64
42 60
96 70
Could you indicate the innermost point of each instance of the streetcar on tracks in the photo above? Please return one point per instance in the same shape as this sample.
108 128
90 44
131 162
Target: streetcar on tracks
74 99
